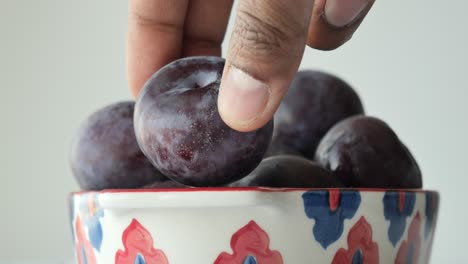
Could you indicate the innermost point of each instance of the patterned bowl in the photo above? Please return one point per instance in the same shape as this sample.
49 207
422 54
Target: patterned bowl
253 225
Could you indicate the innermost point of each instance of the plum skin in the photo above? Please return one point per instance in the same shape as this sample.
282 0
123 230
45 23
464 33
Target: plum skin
105 154
179 129
289 171
169 184
314 102
365 152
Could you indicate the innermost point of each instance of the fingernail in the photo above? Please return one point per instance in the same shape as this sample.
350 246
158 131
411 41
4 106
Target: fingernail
340 13
242 98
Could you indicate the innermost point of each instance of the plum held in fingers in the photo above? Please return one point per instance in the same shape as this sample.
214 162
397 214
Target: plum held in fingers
365 152
287 171
179 129
314 103
105 153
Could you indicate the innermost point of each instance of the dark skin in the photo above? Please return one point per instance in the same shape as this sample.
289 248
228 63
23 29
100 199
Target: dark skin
265 50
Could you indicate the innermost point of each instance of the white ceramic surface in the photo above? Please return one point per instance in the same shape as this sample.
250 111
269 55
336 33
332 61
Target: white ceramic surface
251 225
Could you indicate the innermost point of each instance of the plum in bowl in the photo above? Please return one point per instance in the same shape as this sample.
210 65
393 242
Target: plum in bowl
165 180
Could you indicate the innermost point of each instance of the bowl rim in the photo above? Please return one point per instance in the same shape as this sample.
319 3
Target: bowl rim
219 197
248 189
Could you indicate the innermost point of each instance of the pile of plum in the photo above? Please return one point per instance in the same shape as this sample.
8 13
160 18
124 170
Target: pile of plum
173 137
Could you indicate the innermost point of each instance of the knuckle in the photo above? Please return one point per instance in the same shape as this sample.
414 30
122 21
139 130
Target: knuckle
258 37
253 30
161 24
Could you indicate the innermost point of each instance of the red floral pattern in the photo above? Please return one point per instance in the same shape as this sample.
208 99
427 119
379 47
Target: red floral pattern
138 244
250 241
360 245
409 249
84 249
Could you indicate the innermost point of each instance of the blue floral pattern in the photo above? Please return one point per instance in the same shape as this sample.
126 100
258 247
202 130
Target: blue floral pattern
358 258
329 209
139 259
432 201
91 212
398 206
250 260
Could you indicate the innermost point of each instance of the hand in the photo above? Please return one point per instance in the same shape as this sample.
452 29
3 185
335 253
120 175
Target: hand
265 50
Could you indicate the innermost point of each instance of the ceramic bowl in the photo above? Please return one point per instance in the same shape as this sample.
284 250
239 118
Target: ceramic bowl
253 225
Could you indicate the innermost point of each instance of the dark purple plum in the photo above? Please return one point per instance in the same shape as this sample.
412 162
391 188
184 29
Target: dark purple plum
179 129
365 152
287 171
169 184
314 103
276 149
105 153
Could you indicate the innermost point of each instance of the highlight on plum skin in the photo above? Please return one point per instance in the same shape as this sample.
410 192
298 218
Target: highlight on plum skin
105 154
365 152
179 129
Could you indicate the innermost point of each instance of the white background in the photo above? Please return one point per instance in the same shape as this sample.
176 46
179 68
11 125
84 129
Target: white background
61 60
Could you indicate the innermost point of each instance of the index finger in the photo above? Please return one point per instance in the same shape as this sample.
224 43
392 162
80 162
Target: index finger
155 33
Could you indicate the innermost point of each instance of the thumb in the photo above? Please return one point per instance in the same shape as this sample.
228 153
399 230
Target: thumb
265 51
